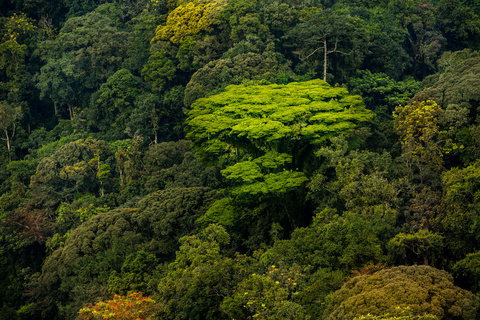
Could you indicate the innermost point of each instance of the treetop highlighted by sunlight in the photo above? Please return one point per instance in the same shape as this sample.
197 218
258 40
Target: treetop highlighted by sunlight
259 134
273 116
189 19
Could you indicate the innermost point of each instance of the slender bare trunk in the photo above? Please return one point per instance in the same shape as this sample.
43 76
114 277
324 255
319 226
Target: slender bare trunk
70 110
325 59
7 139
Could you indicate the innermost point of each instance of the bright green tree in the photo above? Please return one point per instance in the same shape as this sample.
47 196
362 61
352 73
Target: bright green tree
189 19
250 121
259 134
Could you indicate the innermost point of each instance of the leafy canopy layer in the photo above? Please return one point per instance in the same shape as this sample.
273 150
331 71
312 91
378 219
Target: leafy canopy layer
259 134
273 117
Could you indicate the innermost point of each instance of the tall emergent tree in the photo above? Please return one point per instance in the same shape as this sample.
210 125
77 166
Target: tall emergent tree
327 32
259 135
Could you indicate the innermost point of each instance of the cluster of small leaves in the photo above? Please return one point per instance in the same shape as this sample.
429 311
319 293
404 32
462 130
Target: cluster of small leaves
268 296
288 278
131 307
424 289
269 114
398 314
189 19
420 133
16 26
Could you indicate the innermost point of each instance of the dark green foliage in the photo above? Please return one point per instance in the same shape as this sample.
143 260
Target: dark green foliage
108 251
468 272
459 212
218 74
113 104
455 85
88 50
327 34
421 288
72 169
355 180
380 92
459 24
332 242
173 165
159 70
423 244
97 184
201 276
386 50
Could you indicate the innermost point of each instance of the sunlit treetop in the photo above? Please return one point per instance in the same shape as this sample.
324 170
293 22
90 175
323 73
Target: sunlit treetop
273 117
259 133
189 19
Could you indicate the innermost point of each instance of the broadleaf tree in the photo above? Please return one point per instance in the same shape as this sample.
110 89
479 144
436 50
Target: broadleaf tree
259 134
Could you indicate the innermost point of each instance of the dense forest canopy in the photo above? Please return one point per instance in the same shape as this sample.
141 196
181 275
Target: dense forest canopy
239 159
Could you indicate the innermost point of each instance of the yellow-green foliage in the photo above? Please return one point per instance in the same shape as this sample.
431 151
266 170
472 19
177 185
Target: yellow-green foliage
398 314
422 243
421 135
189 19
257 129
311 110
12 47
423 289
268 296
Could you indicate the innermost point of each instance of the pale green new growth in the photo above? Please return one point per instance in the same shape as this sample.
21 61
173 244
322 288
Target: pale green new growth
275 113
257 133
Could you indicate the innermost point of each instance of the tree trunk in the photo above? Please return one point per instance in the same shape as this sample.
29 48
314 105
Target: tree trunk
7 139
70 110
325 59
